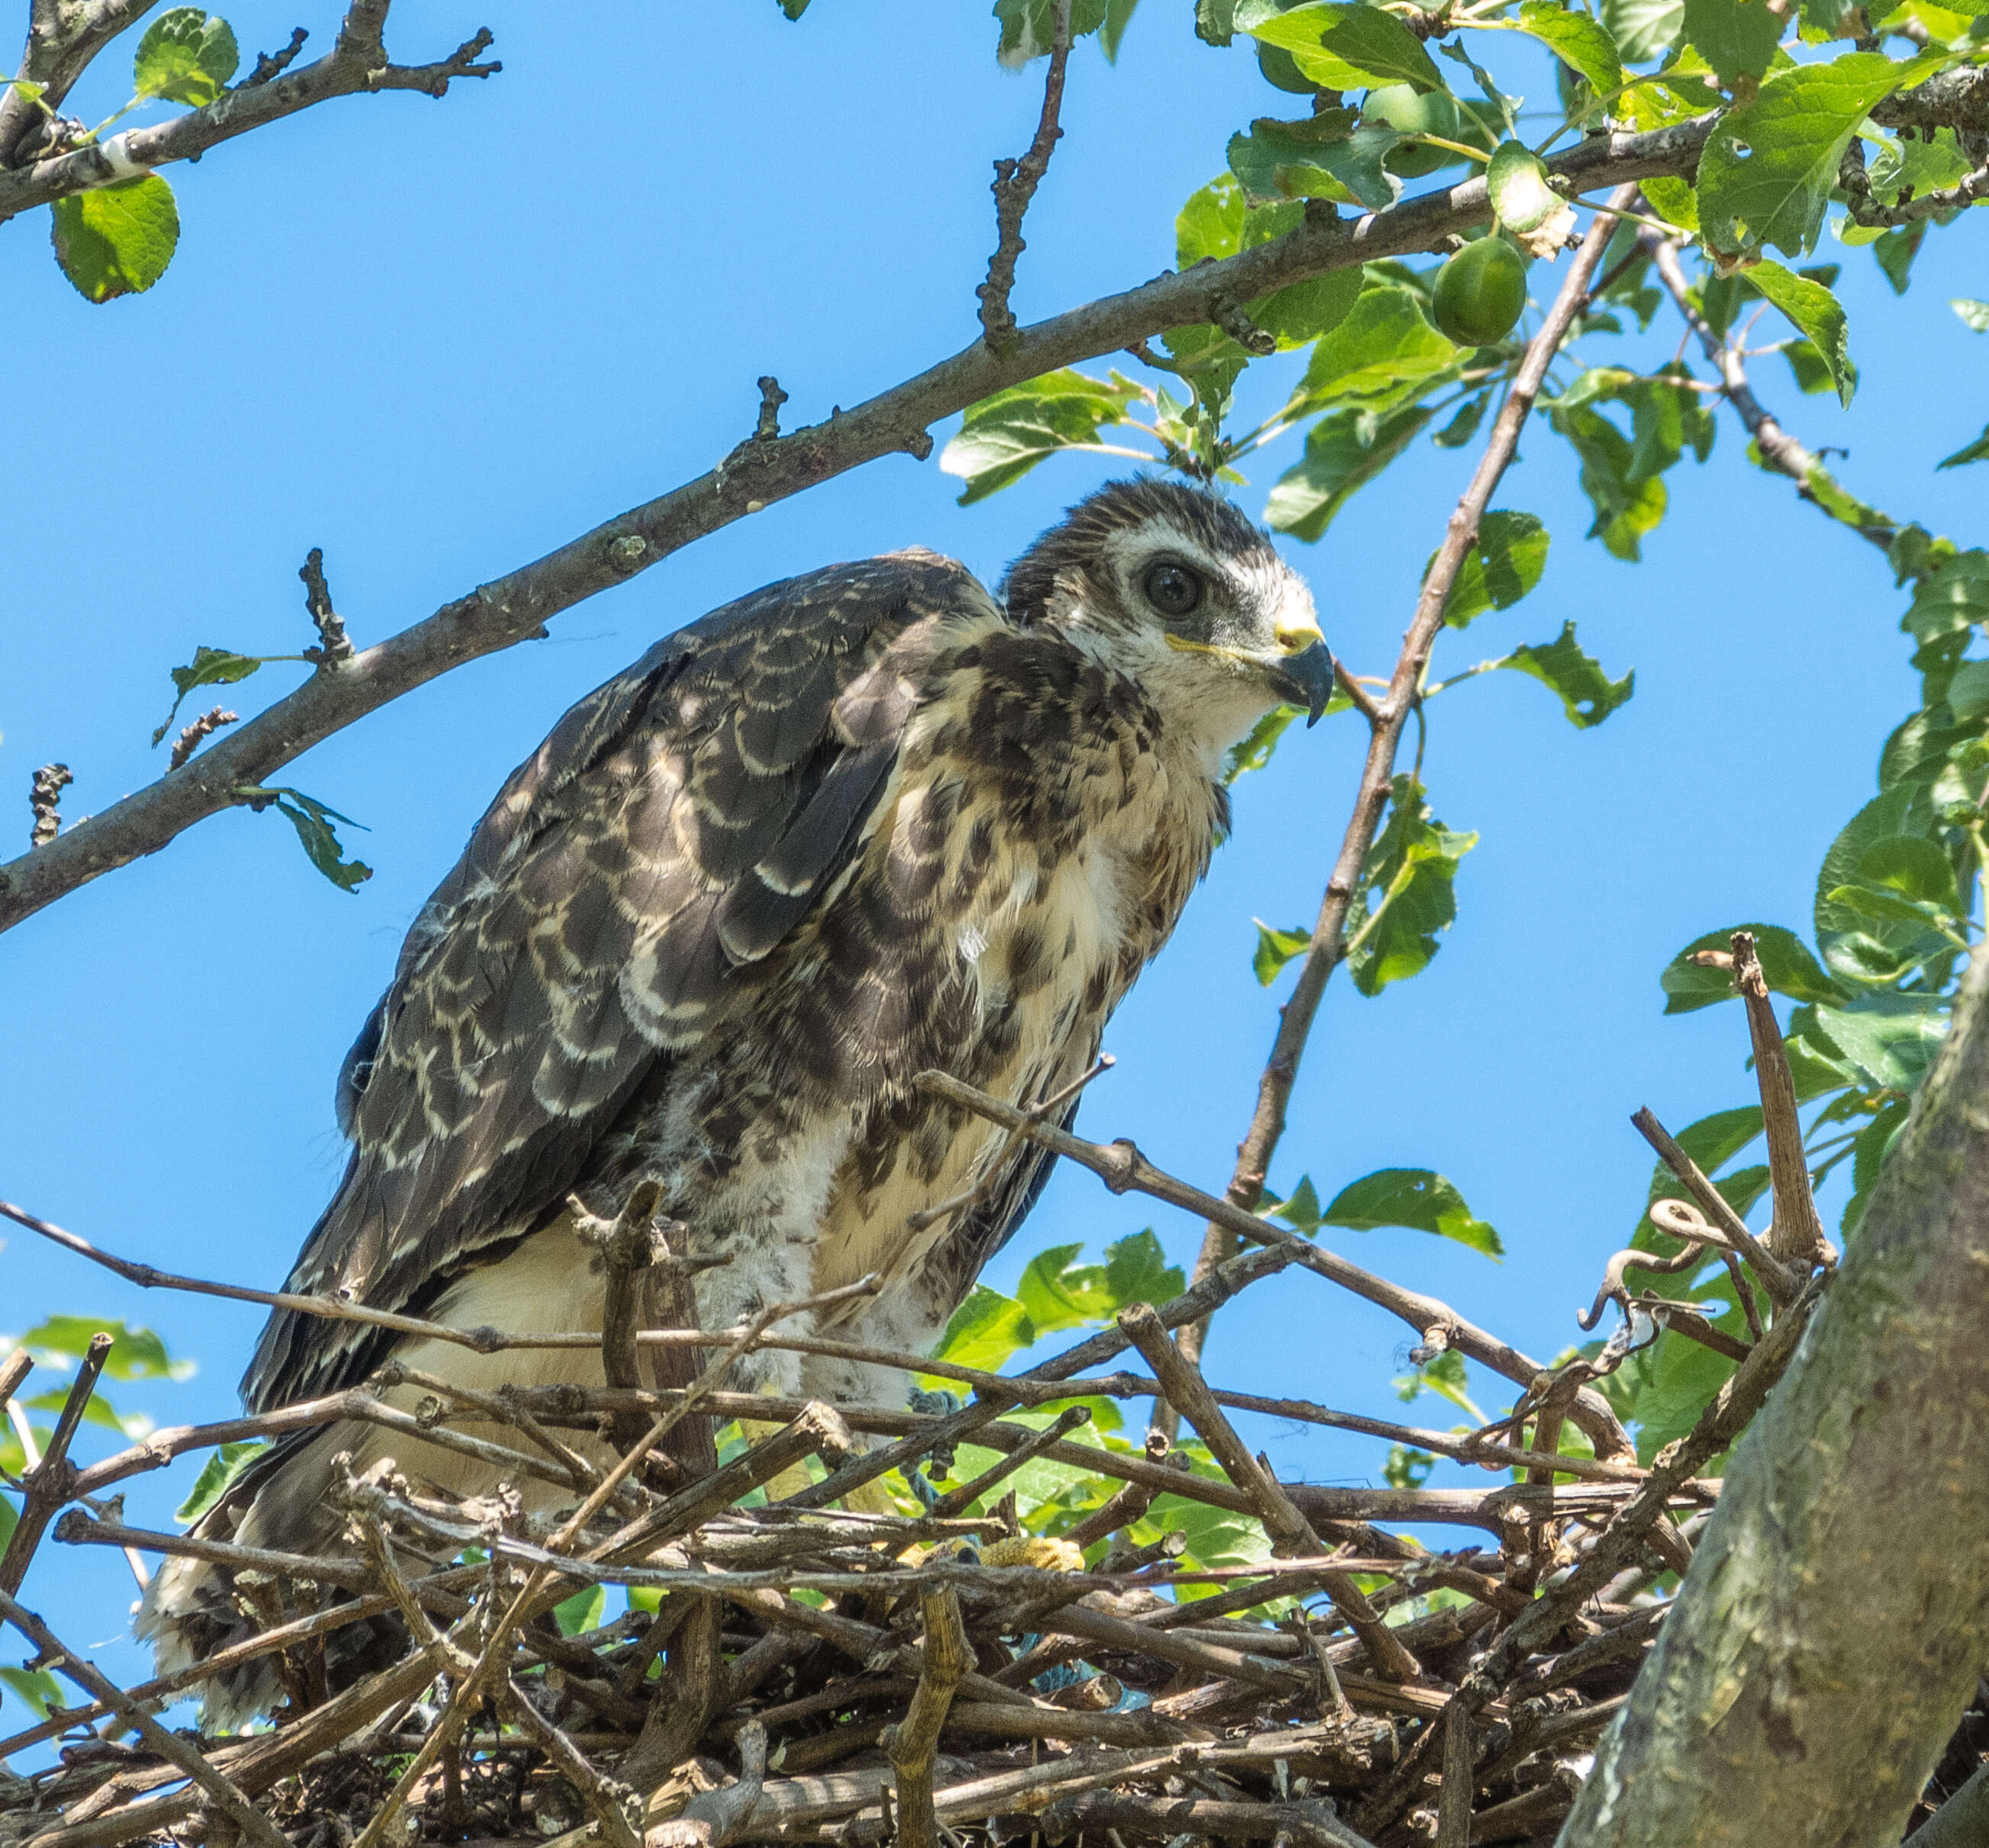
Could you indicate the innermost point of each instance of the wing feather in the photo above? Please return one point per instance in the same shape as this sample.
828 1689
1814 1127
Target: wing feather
675 824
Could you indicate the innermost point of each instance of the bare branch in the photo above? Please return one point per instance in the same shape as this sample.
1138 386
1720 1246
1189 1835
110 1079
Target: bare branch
1795 1236
912 1744
1015 183
1779 449
251 1822
1329 937
518 605
52 1481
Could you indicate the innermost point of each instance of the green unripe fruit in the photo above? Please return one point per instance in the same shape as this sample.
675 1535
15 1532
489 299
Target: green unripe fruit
1480 292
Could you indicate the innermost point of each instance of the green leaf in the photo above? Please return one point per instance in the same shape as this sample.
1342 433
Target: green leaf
1112 33
1344 451
1137 1270
1894 252
1029 27
1444 1376
1814 310
1977 451
36 1689
1056 1293
1320 157
219 1470
1342 47
1787 966
1463 426
1767 169
1974 314
186 56
984 1330
1584 45
1405 899
1642 29
1256 750
97 1410
1875 1142
1003 437
582 1611
793 9
313 820
1587 695
1684 1378
210 667
1505 563
1302 1211
135 1353
1914 867
1276 948
1954 595
1415 1198
1737 38
116 240
1386 341
1673 200
1855 945
1892 1038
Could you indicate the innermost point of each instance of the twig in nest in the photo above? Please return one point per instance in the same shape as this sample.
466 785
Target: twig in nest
251 1822
1015 183
205 726
1780 1286
1291 1533
44 798
912 1744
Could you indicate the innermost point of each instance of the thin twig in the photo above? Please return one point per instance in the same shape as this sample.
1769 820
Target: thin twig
251 1822
52 1481
912 1744
1780 1286
1795 1235
334 645
1290 1533
1328 945
1015 183
45 802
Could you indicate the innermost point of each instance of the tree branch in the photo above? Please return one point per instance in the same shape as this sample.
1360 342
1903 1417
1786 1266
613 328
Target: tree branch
1329 937
353 67
1779 450
517 606
1015 183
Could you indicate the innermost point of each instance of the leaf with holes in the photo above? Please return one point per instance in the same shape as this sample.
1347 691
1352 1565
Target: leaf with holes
209 667
1505 562
1415 1198
1405 899
313 820
1587 695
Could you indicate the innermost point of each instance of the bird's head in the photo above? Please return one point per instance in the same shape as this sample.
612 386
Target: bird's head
1177 589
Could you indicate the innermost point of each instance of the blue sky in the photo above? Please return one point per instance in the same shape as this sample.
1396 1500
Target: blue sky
439 338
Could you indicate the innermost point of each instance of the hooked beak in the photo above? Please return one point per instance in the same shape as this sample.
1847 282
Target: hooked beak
1305 679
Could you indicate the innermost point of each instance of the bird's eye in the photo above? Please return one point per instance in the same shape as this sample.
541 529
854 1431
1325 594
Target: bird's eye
1173 590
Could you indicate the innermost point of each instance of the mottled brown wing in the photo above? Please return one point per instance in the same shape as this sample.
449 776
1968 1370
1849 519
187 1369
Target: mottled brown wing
676 824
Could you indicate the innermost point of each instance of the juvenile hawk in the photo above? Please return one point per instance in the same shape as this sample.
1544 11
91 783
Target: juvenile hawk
863 822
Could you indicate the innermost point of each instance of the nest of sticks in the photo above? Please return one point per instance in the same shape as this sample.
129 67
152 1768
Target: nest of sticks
794 1666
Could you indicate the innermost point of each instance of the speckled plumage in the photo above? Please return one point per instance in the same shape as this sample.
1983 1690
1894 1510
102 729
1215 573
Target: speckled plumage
859 823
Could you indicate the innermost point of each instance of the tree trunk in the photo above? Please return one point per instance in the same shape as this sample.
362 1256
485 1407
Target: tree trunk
1836 1617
